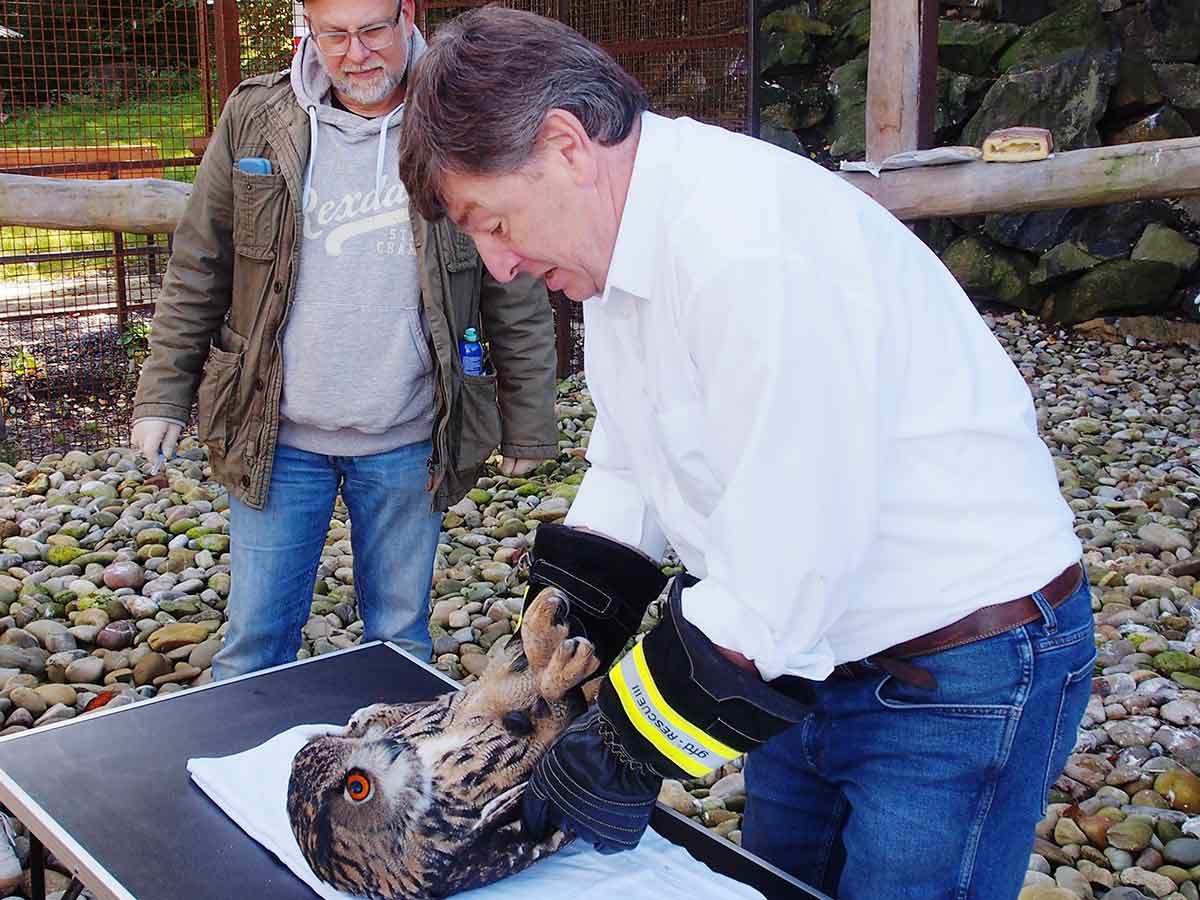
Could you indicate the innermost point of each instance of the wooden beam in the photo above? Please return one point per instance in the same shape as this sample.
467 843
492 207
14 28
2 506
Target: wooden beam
901 76
1091 177
134 205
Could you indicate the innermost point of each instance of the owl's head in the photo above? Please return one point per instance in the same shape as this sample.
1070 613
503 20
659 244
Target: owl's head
352 800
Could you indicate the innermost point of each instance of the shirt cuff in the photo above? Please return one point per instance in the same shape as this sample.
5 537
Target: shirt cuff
614 507
730 624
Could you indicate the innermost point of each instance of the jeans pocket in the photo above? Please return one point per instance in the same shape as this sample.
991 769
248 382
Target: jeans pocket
1072 701
981 679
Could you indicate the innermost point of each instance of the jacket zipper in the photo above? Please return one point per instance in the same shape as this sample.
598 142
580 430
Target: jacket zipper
441 449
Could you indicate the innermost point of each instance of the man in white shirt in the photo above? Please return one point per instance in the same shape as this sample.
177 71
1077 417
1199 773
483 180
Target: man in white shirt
883 604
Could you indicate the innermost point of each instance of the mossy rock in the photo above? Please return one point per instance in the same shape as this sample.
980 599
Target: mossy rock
61 554
1077 25
836 13
793 20
1137 85
847 131
1061 262
991 273
1118 285
850 40
1068 96
1181 789
151 536
1163 244
1164 124
1170 661
784 52
972 47
214 543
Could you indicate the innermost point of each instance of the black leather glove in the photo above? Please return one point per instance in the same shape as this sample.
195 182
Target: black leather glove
673 707
586 785
608 584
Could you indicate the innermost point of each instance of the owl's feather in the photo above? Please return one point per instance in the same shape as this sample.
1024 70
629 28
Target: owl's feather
445 776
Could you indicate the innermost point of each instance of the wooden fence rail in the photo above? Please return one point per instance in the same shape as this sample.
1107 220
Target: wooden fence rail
1073 178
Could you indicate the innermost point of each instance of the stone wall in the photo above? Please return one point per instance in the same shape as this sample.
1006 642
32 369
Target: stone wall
1094 72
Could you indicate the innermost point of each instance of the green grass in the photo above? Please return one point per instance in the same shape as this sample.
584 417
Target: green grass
166 122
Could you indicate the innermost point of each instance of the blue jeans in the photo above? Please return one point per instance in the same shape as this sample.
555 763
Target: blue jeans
887 790
275 553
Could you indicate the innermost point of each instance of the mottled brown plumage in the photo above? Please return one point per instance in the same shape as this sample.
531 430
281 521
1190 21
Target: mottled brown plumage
421 800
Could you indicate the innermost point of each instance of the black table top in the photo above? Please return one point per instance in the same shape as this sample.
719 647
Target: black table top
110 793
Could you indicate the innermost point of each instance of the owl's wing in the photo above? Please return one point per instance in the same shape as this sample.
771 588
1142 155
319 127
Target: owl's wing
496 853
382 716
501 810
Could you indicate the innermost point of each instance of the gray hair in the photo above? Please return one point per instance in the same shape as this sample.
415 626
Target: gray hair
480 93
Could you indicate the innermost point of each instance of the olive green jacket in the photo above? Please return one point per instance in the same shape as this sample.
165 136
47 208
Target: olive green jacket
219 319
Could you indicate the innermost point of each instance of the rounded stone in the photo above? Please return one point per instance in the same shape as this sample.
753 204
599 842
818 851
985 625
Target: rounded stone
1184 851
88 670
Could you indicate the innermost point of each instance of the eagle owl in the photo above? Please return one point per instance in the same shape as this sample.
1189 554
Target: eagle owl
422 800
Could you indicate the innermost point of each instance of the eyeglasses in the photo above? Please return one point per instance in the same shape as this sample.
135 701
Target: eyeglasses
379 36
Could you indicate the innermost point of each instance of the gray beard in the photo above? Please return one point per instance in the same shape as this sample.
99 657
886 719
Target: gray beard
378 89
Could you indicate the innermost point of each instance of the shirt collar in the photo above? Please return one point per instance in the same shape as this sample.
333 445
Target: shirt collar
632 265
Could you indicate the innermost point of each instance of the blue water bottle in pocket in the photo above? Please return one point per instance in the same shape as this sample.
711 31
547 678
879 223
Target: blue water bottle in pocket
471 352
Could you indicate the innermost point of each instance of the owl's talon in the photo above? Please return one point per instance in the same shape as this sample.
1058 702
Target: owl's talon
573 661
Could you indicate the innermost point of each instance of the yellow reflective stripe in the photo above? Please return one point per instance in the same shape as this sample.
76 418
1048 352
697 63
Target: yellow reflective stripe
521 614
648 731
691 749
706 739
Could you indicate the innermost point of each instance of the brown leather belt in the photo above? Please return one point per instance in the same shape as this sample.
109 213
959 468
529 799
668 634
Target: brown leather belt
983 623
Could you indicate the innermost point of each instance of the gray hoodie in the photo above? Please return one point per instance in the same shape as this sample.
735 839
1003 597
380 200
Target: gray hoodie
357 370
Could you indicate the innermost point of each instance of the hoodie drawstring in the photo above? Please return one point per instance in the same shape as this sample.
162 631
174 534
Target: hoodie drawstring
382 151
383 127
312 154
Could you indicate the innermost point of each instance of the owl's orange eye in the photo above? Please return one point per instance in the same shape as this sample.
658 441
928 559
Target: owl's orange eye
358 786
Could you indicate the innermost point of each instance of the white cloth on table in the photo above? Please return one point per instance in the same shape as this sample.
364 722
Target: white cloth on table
251 788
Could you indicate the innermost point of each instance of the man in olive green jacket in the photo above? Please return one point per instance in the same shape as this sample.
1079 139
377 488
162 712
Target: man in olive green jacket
317 318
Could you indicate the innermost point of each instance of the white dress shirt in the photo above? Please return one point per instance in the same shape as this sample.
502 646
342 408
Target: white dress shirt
795 393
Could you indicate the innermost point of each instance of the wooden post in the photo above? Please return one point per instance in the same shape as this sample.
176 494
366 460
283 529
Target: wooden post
229 47
901 76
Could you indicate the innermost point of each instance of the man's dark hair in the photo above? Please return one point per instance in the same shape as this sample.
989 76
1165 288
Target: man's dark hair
479 95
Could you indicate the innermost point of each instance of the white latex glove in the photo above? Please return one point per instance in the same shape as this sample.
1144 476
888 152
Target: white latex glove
512 466
155 436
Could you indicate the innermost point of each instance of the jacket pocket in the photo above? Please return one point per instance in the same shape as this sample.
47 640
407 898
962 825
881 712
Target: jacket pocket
257 203
420 341
217 396
480 420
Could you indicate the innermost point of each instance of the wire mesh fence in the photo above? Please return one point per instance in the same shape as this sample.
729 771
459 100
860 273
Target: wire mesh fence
89 89
693 57
94 89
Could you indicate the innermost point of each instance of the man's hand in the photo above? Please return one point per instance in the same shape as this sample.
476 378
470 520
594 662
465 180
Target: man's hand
675 706
153 436
515 467
582 786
